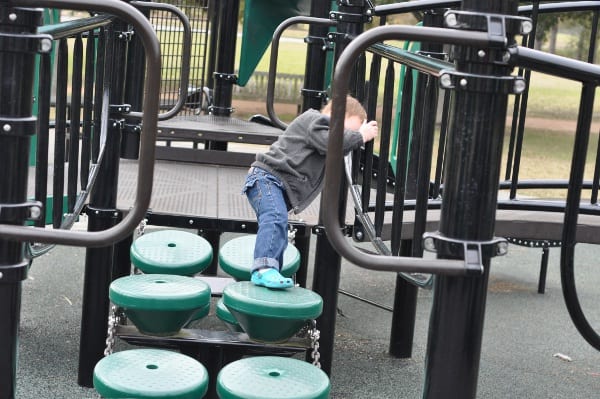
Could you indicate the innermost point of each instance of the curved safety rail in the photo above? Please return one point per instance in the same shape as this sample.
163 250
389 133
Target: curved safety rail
186 52
589 75
333 169
273 60
147 148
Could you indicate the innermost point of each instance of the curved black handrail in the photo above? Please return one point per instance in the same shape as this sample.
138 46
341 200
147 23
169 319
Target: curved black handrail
273 60
147 147
333 169
186 53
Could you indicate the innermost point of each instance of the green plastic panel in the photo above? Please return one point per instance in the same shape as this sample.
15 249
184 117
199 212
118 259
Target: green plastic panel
261 18
150 373
272 377
171 252
236 257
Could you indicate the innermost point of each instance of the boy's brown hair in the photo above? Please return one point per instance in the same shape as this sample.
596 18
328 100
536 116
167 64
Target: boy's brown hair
353 108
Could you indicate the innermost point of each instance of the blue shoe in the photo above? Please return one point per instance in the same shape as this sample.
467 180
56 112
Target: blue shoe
271 278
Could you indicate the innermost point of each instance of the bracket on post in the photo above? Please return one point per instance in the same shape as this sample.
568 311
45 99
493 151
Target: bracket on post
18 126
20 212
497 26
472 252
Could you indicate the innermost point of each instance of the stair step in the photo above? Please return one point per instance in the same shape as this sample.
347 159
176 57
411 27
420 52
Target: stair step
237 255
160 304
171 252
271 315
272 377
150 373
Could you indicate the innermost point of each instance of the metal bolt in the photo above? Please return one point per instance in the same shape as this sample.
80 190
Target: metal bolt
429 244
34 212
526 27
463 82
446 80
7 127
45 45
502 248
359 235
481 53
506 56
12 16
451 20
243 226
519 86
190 221
1 275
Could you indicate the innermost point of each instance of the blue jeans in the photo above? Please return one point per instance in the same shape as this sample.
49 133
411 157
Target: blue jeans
266 195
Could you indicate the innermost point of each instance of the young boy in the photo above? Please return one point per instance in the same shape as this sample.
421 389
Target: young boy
289 176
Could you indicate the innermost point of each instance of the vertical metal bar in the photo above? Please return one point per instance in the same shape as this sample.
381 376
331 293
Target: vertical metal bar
468 213
88 93
316 58
16 85
384 148
223 89
102 213
523 111
371 114
591 59
76 83
58 185
439 168
43 134
401 162
98 93
326 278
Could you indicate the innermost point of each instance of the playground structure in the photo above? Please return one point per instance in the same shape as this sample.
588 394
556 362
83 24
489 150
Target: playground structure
478 78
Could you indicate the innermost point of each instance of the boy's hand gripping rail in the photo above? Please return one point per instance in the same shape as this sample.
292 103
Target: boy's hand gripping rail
334 163
149 121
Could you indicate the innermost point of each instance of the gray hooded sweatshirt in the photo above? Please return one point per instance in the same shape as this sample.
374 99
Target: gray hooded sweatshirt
297 158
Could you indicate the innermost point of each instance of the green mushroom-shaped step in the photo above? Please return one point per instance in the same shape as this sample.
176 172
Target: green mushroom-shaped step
160 304
271 315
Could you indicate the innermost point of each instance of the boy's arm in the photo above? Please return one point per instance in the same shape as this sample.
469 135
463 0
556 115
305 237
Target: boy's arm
318 135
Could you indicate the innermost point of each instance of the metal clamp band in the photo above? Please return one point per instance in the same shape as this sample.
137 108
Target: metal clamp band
472 252
25 43
18 126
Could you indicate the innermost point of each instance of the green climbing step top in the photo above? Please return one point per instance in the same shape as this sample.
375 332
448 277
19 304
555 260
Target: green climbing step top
159 292
237 255
150 373
272 377
290 303
171 252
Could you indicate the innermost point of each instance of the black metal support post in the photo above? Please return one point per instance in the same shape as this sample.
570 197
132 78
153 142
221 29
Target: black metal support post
417 187
468 210
316 58
102 213
224 77
17 62
327 265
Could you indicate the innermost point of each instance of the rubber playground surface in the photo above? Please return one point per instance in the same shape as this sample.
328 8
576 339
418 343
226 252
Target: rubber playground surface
530 347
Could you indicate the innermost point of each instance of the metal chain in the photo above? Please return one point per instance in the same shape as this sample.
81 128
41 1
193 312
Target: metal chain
291 234
314 335
142 227
113 320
